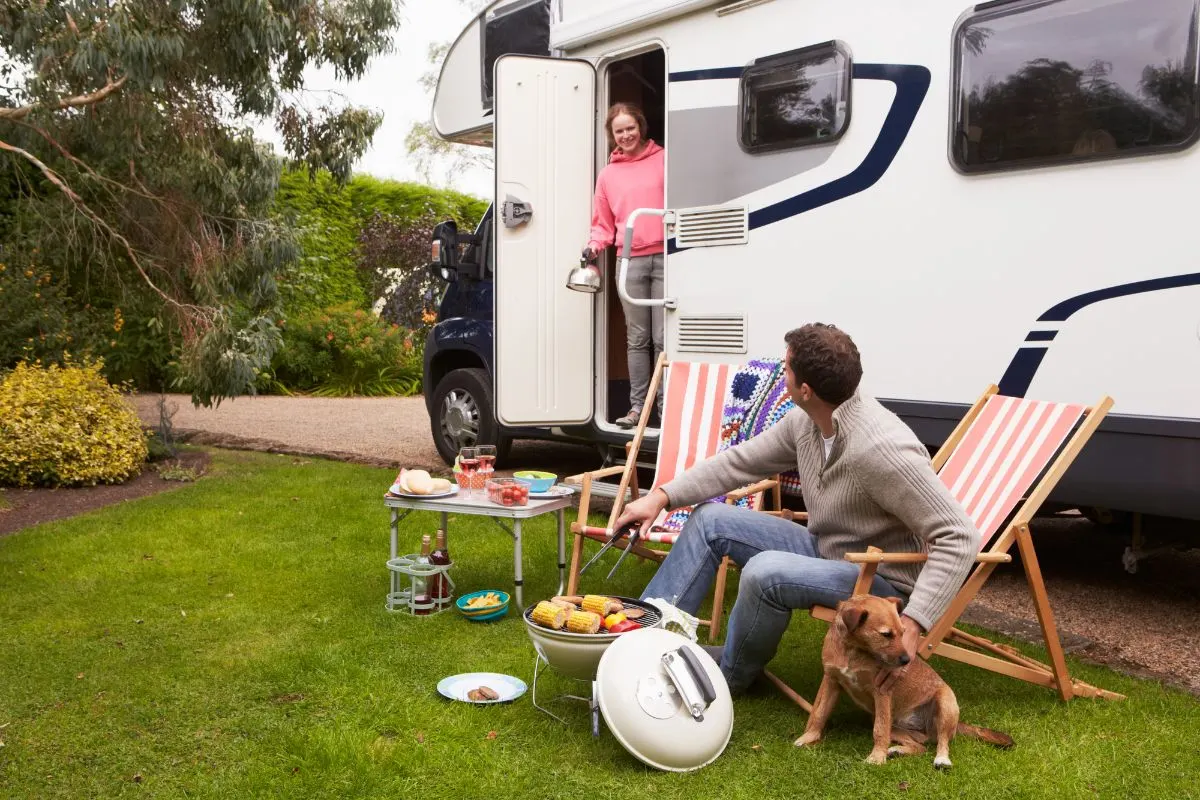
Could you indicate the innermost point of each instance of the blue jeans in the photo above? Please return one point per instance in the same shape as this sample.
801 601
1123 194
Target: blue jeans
781 571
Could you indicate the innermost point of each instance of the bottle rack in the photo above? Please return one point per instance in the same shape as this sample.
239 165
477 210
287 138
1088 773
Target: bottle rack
405 572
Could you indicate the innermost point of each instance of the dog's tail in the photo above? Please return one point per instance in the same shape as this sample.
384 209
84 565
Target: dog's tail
985 734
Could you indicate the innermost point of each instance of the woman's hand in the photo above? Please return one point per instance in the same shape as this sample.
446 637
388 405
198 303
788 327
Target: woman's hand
589 253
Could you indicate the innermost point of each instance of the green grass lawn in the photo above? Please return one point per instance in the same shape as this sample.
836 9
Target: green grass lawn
229 640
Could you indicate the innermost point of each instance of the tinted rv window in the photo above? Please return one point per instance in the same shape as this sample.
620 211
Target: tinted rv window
795 99
521 28
1042 82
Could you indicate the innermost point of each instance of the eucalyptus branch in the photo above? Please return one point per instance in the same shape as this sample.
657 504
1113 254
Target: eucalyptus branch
69 102
187 309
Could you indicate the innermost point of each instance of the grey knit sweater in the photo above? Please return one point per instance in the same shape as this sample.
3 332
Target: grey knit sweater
878 488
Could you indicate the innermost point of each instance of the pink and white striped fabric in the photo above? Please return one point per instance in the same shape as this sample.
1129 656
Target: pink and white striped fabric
1003 452
693 404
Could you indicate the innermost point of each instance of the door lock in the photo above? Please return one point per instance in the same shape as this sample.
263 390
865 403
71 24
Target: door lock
515 212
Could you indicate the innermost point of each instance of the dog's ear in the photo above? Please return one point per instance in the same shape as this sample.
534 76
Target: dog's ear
896 601
852 617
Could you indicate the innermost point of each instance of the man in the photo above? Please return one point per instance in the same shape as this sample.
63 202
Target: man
866 479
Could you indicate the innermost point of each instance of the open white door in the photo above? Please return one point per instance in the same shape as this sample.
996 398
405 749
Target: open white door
545 152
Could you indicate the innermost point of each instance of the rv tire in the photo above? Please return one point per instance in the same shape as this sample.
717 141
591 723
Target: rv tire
463 413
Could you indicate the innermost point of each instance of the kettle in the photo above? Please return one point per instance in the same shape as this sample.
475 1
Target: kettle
585 277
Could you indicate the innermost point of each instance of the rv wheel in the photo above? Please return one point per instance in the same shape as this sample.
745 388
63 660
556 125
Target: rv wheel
463 415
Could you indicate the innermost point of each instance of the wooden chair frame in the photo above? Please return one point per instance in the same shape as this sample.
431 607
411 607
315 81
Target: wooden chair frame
944 638
629 483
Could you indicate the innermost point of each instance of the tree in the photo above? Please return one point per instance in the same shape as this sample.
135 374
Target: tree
125 139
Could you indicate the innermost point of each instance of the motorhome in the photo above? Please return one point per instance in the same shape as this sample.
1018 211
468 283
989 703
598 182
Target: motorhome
977 194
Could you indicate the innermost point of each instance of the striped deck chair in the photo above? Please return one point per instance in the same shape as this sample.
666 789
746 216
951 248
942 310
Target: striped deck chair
1001 462
694 402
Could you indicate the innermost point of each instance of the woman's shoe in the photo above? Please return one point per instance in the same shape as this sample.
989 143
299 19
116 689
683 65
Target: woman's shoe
629 420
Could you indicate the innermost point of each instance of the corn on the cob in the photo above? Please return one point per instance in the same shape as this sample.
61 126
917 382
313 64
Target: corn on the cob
549 615
583 622
598 604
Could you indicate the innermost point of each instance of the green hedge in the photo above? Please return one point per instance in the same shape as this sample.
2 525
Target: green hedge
331 217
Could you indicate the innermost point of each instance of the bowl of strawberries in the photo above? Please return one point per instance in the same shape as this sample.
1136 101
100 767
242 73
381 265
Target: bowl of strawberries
507 492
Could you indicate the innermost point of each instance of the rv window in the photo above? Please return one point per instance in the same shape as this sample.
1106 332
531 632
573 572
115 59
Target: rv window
795 99
521 28
1039 83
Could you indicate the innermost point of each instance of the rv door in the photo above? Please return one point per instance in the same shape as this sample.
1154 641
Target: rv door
545 154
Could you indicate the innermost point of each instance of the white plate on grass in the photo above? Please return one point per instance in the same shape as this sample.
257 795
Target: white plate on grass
558 490
396 490
456 686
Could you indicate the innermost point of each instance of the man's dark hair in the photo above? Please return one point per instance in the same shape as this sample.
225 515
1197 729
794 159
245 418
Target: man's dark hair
826 359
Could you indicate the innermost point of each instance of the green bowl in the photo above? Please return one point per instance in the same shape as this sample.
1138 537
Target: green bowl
483 613
537 482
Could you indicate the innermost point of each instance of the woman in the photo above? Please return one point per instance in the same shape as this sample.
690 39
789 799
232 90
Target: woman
633 179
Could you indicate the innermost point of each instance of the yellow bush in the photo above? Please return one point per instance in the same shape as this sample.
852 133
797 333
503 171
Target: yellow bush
66 426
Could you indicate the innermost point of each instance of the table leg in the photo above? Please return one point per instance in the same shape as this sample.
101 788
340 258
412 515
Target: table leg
517 564
395 580
562 553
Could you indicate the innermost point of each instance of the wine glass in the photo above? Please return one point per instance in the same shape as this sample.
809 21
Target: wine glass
468 459
487 459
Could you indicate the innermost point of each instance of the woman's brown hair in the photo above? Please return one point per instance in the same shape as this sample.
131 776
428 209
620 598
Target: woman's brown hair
624 108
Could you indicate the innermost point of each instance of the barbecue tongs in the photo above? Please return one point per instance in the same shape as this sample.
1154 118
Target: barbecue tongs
634 531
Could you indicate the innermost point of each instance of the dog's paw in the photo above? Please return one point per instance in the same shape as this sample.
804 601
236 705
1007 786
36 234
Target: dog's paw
895 750
942 762
807 740
878 757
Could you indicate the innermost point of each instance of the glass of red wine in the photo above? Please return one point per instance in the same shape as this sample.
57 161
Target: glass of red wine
487 459
468 459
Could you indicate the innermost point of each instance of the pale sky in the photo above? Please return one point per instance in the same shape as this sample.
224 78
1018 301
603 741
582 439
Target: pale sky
391 86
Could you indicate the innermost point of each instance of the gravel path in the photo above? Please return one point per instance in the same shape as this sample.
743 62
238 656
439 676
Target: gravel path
1142 623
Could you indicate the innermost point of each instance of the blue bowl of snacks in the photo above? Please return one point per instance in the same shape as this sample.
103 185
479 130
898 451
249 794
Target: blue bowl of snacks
483 605
538 482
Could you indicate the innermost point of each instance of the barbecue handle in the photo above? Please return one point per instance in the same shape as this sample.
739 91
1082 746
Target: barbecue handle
699 675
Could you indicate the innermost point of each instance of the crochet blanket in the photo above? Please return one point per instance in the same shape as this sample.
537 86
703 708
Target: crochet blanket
758 398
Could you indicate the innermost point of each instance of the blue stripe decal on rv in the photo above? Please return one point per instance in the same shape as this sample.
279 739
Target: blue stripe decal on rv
1024 365
912 83
716 74
1041 336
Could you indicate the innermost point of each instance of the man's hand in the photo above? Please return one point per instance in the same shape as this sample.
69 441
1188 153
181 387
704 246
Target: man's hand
644 511
910 638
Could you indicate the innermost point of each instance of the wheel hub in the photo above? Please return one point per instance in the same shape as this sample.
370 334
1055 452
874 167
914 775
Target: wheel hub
460 418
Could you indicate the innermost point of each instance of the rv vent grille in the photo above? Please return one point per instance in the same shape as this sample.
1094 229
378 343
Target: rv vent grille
712 226
712 334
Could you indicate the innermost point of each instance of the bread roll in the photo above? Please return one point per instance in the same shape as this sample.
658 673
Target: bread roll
440 485
419 482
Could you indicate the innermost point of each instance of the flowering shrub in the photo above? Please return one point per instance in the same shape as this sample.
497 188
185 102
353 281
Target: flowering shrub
344 351
66 426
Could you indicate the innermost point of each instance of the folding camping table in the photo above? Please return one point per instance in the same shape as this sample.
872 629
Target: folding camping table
481 506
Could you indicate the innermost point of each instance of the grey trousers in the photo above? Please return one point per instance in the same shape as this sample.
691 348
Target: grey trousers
643 326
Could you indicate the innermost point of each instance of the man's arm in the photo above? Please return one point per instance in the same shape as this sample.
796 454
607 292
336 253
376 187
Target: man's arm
900 478
772 451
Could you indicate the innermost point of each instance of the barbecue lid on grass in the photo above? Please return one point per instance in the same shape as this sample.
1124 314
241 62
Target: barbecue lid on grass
664 699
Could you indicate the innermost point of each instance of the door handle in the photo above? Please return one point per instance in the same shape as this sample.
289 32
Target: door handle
627 248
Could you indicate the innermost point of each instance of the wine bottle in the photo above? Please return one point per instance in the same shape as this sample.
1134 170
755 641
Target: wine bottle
420 583
439 586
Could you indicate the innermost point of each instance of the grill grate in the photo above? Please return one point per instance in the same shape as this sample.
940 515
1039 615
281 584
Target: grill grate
651 618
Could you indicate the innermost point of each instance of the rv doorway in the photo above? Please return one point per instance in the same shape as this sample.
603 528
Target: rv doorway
641 80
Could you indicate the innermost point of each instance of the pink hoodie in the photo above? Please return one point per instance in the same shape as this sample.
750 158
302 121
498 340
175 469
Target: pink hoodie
625 184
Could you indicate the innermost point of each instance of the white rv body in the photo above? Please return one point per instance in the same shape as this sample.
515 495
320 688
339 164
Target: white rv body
1066 281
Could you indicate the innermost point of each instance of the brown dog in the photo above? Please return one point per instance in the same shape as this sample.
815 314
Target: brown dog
864 639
